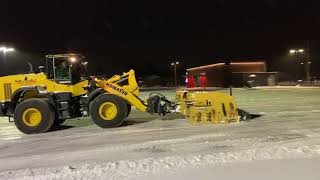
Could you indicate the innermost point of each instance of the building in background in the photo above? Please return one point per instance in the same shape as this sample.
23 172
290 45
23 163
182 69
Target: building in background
239 74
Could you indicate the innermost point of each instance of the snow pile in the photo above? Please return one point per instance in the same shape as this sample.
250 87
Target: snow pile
127 169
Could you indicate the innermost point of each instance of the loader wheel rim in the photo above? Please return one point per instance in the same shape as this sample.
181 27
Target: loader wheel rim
31 117
108 111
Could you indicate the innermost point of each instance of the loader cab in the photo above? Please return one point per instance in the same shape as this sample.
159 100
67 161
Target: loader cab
66 68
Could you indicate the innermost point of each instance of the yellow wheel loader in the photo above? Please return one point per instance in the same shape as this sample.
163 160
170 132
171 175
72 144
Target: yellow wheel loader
63 90
37 101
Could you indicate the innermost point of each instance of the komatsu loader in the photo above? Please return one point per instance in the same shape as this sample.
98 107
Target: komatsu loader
63 90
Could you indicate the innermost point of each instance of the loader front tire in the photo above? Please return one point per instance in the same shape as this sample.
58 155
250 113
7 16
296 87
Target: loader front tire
34 116
108 111
128 109
58 122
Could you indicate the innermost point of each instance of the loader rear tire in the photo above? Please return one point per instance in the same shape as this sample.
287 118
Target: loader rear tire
108 111
34 116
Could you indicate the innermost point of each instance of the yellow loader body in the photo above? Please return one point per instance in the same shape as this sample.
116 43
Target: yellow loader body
10 84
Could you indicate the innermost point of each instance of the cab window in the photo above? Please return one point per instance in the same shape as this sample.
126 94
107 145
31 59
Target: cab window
62 71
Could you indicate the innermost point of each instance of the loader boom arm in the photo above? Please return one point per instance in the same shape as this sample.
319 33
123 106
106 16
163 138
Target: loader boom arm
126 87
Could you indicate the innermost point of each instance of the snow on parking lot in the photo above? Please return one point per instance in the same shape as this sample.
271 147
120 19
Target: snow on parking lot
152 147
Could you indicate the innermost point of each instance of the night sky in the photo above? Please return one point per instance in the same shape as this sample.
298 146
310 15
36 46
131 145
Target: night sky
145 35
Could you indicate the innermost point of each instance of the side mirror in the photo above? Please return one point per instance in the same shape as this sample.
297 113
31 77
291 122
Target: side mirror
41 69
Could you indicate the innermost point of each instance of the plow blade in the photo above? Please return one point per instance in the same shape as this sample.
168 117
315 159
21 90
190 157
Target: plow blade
210 108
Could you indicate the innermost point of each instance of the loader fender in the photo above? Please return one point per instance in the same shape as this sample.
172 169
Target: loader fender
17 95
21 91
93 95
31 91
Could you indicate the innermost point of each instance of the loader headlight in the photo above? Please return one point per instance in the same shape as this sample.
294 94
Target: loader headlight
73 59
93 78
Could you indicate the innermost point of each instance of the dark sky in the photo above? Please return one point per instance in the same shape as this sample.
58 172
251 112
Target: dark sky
118 35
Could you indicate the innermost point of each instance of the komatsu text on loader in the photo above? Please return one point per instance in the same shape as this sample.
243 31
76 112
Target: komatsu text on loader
63 90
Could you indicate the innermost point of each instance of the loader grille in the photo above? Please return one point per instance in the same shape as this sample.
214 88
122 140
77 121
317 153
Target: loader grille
7 91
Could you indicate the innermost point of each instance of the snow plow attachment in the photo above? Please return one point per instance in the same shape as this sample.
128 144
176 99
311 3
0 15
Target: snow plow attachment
209 107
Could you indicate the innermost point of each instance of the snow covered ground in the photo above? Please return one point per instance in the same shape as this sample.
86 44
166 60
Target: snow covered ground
283 144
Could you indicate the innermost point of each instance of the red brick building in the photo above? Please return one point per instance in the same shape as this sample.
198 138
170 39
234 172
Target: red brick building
237 73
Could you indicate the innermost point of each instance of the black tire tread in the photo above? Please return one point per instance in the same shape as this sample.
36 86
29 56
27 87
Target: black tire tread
121 109
128 109
46 110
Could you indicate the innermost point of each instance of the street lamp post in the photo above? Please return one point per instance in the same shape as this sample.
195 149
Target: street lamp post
4 51
306 62
174 64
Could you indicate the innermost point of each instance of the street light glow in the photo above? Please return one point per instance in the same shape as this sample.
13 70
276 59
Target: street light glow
295 51
8 49
306 60
292 51
5 49
174 64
